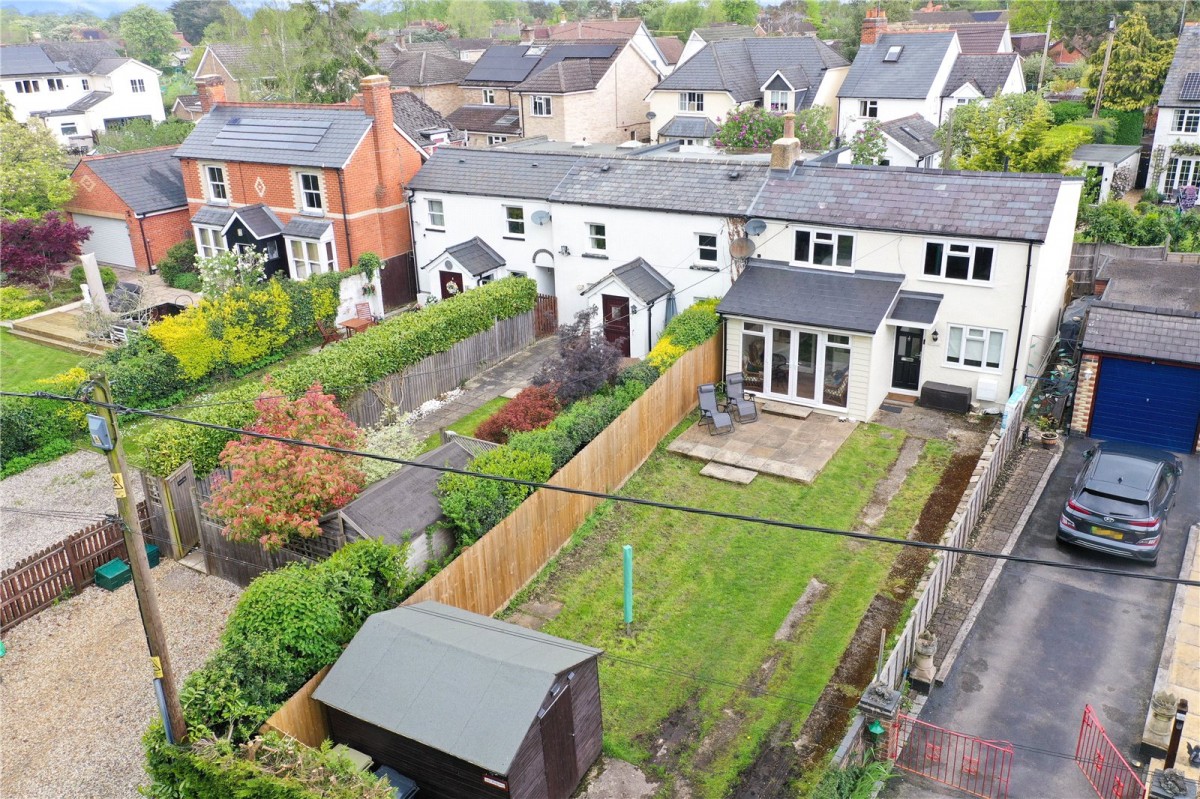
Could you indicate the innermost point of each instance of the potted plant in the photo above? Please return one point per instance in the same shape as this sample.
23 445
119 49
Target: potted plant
368 289
1049 433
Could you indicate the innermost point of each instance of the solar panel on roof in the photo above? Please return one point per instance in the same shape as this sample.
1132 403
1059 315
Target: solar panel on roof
299 135
1191 87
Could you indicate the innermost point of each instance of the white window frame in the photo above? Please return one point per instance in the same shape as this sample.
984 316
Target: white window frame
515 223
305 193
1188 168
692 102
305 266
868 109
833 239
541 105
597 236
990 342
28 87
137 85
1186 120
210 185
959 249
437 214
494 139
210 241
54 84
706 253
489 96
85 85
779 101
74 129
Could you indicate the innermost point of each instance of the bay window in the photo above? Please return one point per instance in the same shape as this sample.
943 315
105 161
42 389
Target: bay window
209 242
308 257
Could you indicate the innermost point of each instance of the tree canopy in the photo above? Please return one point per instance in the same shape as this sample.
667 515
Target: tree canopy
34 177
140 134
192 17
1014 133
1138 67
147 34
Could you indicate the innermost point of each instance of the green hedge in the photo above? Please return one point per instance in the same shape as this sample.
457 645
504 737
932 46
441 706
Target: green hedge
1069 111
1129 125
1101 131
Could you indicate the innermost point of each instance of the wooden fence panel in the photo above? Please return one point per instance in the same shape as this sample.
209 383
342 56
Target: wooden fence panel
302 717
491 571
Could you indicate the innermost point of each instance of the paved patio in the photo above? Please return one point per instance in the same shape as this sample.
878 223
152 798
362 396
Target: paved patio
784 446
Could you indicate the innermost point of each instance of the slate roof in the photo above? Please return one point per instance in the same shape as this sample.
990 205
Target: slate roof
575 75
493 173
778 292
107 66
89 100
509 65
981 38
465 684
1157 335
1028 43
624 29
500 119
742 66
643 280
213 215
728 30
438 48
54 58
414 116
304 228
911 77
670 47
1186 61
146 180
308 136
916 306
1108 153
683 127
260 220
667 184
914 133
987 72
991 205
426 69
476 256
942 17
235 57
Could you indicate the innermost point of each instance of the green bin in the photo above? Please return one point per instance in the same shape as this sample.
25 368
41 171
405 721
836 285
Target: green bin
152 555
113 575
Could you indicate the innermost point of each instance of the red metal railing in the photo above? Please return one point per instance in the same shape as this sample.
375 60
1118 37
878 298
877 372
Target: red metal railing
1101 762
978 767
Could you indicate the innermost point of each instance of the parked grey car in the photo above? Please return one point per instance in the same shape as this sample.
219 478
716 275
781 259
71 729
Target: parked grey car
1120 500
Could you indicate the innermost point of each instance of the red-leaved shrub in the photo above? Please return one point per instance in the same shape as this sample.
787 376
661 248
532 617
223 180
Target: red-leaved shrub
534 407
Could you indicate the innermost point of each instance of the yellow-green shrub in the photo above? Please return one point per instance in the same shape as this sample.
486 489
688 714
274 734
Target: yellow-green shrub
16 303
71 414
664 354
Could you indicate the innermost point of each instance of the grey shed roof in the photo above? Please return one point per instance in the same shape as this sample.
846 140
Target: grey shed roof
145 180
106 66
191 102
299 227
742 66
777 292
914 133
1108 153
259 220
465 684
643 280
212 215
89 100
909 77
916 306
990 205
1186 62
987 72
689 128
476 256
1158 335
278 135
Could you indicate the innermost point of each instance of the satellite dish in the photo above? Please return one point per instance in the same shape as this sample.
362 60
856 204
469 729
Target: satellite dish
741 247
540 217
756 227
650 115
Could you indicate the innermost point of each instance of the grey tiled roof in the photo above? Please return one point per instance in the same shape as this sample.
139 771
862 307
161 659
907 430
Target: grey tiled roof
914 133
235 57
742 66
483 681
670 47
260 220
413 116
643 280
89 100
486 119
145 180
575 75
189 101
1186 61
911 77
990 205
1109 153
108 65
300 227
916 306
777 292
439 48
212 215
713 187
426 69
493 173
716 33
1143 334
338 141
54 58
941 17
682 127
988 72
981 38
476 256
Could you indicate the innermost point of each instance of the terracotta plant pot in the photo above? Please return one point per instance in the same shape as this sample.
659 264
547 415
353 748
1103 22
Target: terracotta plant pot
1049 439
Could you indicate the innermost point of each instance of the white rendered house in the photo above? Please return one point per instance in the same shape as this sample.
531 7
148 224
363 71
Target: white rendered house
1175 159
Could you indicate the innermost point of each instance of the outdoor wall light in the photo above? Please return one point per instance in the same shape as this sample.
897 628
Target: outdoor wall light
934 337
633 309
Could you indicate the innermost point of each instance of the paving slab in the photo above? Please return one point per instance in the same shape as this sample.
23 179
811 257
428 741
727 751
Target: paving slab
730 474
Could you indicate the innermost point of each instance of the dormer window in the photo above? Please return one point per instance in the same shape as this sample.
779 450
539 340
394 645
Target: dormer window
779 101
893 53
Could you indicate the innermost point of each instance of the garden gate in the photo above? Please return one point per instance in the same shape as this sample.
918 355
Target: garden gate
972 765
173 523
545 316
1106 769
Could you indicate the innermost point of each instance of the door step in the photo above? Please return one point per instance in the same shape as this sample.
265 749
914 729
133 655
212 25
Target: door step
194 560
786 409
903 399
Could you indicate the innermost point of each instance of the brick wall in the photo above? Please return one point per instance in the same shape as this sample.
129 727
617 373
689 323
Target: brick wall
160 233
445 98
209 65
1089 370
609 114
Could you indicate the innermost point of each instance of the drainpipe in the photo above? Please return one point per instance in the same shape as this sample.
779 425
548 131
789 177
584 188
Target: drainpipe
1021 324
649 326
345 216
145 244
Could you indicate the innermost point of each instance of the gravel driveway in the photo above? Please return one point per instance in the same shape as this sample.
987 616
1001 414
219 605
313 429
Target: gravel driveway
76 685
45 504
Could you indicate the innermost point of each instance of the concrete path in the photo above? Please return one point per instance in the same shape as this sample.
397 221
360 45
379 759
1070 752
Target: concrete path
1047 642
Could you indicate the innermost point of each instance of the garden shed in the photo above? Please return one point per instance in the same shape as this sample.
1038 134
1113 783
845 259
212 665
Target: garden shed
467 706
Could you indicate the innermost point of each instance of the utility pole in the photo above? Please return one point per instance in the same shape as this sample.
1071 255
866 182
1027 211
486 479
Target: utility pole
1112 29
139 565
1045 55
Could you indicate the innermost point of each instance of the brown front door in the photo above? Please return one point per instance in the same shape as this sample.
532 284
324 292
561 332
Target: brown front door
558 746
616 321
451 279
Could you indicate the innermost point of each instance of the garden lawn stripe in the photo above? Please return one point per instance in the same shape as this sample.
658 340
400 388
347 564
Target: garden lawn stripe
25 362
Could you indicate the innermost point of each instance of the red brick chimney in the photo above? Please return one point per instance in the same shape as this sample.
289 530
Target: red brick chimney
395 163
211 89
874 24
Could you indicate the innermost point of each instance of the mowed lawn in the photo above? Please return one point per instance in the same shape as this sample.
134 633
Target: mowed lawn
710 595
467 425
23 363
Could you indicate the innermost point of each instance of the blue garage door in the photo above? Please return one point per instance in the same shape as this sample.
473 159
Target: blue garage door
1147 403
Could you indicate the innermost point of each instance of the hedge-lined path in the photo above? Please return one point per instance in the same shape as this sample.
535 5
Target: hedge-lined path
45 504
76 684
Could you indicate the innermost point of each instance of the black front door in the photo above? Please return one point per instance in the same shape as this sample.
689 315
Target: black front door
906 372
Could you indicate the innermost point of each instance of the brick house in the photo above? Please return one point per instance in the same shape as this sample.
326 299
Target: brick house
232 63
134 203
433 78
312 186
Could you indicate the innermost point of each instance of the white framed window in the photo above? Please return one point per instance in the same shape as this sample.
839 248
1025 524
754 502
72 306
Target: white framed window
54 84
974 347
707 247
956 261
69 129
86 85
514 216
308 257
437 214
597 237
310 193
209 242
489 96
779 101
214 178
962 101
824 248
1187 120
492 139
691 101
868 108
137 85
541 105
1181 172
27 87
